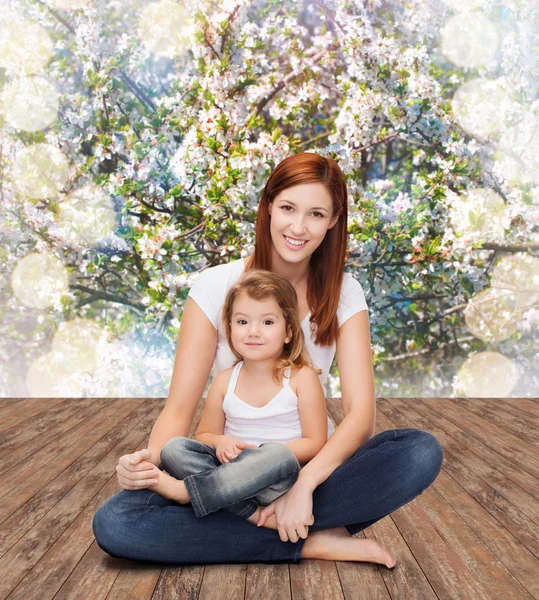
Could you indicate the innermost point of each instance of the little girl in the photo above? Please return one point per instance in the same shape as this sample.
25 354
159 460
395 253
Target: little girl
263 418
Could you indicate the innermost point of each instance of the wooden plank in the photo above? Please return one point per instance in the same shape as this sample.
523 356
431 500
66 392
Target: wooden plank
23 519
223 582
529 406
20 434
512 472
9 402
10 459
175 583
506 495
494 413
23 482
315 579
504 405
511 517
268 581
406 579
508 445
45 556
501 552
13 415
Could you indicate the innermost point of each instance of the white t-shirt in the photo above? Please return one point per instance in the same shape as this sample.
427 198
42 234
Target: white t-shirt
209 292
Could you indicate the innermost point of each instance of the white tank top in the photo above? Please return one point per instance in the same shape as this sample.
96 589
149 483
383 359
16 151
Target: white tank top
276 421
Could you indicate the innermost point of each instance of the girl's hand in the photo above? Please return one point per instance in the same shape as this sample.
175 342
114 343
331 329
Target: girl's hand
228 448
293 512
136 472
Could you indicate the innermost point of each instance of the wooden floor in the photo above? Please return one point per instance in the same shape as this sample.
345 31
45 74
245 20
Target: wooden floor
474 534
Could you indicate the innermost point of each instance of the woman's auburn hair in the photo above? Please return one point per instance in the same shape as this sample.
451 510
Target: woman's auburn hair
260 285
326 267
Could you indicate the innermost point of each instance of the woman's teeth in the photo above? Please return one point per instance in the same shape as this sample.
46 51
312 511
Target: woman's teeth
294 242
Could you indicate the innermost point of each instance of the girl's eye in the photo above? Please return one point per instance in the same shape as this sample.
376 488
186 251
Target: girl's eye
268 321
241 321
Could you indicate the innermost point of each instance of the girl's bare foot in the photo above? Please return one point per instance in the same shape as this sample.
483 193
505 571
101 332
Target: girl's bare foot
338 544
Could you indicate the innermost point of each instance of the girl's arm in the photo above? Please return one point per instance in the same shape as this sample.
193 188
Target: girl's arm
354 359
312 415
195 353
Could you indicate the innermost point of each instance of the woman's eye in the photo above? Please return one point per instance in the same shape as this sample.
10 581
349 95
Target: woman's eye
314 213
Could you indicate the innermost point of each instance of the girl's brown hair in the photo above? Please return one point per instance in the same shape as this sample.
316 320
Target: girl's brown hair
259 285
326 266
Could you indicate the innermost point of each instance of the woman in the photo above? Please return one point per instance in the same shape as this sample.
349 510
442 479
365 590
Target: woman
356 479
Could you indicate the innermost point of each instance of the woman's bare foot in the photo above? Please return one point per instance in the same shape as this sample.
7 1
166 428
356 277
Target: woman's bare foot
338 544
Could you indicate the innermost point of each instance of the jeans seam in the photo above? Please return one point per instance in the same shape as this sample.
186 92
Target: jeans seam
150 497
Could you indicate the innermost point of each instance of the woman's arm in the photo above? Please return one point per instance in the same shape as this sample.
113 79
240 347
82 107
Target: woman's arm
312 415
212 422
195 353
354 359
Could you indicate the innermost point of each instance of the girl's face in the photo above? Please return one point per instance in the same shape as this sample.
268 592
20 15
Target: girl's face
300 219
258 328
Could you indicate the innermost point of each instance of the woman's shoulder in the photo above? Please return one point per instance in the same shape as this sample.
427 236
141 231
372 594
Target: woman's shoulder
221 272
349 284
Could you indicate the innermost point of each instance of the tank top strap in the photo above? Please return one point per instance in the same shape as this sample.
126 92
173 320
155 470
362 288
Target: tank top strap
234 378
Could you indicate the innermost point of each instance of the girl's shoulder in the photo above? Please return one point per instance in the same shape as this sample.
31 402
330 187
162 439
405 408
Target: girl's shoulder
301 375
222 379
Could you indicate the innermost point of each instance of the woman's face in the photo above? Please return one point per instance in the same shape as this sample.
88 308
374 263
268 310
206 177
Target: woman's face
300 217
258 328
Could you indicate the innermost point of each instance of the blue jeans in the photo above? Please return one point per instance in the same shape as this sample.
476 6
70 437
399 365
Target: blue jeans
386 472
257 476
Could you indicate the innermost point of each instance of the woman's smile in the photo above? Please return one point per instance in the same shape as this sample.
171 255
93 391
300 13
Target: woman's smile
293 243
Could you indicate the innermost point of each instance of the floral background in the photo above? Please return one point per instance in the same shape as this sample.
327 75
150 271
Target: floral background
136 138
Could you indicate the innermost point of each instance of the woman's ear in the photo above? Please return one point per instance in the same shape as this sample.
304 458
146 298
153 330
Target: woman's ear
333 221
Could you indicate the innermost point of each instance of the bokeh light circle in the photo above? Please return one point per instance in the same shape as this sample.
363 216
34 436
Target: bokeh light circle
518 151
492 314
40 171
68 4
469 41
38 280
480 106
25 47
165 28
77 342
29 104
460 5
477 214
486 375
50 377
518 273
87 216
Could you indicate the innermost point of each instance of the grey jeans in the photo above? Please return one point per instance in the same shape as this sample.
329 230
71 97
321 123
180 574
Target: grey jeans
257 476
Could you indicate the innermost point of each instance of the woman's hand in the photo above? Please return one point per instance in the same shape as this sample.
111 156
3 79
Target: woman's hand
293 512
136 471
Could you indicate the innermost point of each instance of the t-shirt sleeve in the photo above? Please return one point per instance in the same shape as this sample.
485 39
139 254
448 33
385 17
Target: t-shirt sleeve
205 291
352 300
